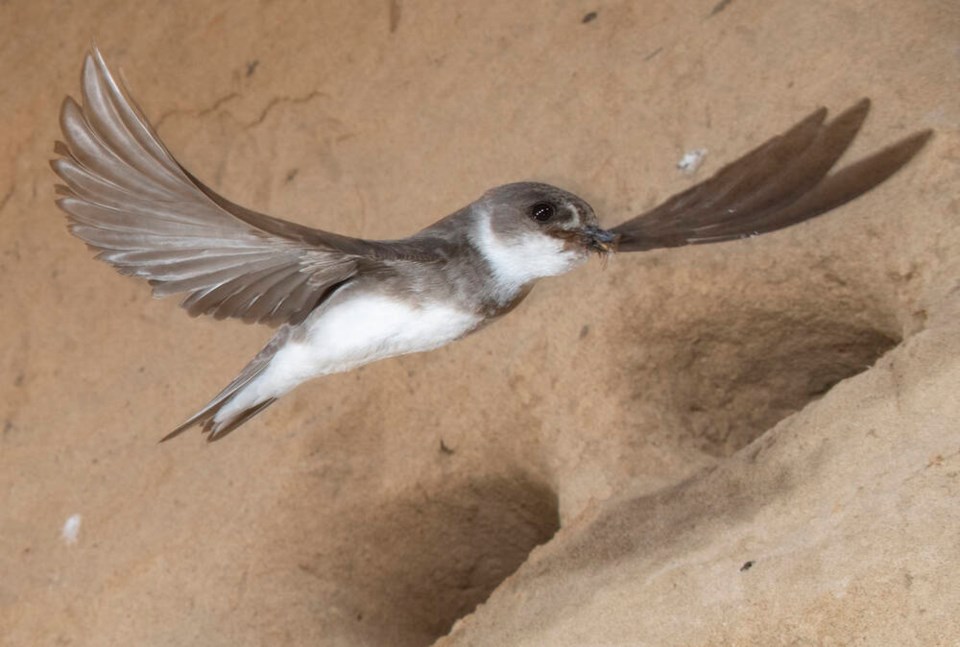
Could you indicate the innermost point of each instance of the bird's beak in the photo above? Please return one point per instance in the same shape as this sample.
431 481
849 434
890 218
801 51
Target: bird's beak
600 240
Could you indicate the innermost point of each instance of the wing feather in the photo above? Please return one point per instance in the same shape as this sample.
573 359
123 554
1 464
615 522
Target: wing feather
780 183
128 198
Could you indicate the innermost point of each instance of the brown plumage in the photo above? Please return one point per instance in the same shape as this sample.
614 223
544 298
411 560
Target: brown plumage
780 183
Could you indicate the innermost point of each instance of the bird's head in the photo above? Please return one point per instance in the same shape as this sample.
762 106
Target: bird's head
529 230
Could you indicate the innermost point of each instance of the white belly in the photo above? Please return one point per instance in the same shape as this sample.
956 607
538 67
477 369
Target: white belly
360 330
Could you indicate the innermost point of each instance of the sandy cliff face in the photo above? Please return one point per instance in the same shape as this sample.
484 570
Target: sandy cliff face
749 443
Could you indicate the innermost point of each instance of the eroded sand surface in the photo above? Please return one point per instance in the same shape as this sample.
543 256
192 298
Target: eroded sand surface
749 443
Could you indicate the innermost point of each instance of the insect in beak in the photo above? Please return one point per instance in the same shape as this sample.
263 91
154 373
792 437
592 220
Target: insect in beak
600 240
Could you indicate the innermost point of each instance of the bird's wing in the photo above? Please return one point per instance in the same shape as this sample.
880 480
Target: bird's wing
780 183
130 200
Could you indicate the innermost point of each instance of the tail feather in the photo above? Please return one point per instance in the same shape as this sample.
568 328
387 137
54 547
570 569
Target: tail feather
217 430
207 416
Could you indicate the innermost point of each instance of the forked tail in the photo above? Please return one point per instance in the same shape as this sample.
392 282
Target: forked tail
219 426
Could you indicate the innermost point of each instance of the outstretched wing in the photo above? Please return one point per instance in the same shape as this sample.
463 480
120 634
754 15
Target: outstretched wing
780 183
129 199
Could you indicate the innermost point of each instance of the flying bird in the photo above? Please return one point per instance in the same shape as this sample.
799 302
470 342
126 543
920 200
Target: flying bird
342 302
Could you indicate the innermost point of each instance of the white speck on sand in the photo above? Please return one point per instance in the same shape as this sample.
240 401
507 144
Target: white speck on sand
692 160
71 529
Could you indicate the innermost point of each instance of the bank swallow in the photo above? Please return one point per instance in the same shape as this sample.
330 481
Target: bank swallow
343 302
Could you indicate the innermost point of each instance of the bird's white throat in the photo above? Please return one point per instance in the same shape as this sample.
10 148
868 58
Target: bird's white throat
516 262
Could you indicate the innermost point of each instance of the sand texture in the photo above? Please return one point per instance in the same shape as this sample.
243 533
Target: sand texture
754 443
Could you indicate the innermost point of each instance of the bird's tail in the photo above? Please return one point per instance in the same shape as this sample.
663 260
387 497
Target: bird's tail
218 426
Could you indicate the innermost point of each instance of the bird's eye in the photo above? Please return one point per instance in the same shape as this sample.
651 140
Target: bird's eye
542 211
